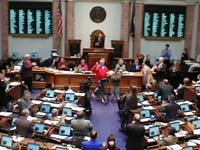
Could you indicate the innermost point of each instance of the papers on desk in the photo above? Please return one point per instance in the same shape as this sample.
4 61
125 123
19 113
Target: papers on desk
51 122
149 107
40 114
189 143
148 93
151 140
14 83
145 103
17 138
5 114
37 102
30 118
181 122
195 141
48 99
187 102
61 137
188 113
174 147
181 133
74 107
145 119
53 104
79 94
59 91
196 131
126 73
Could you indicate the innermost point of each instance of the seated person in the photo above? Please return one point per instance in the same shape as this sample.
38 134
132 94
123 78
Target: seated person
99 41
62 65
120 65
54 117
83 65
25 101
169 137
136 66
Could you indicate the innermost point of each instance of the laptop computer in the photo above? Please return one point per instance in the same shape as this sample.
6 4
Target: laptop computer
156 96
187 148
175 125
6 141
140 98
67 111
185 107
153 131
39 127
50 93
196 123
32 146
45 108
70 97
60 148
145 113
197 88
64 130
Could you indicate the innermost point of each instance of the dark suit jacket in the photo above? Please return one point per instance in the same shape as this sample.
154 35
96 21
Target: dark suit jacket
24 127
171 111
135 136
165 91
91 145
48 62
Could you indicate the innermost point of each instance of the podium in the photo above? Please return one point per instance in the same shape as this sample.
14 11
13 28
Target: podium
92 55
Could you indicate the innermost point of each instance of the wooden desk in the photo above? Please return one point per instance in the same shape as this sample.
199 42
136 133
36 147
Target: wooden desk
59 80
93 55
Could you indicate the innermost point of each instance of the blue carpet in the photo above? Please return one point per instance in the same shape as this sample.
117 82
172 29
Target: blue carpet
106 121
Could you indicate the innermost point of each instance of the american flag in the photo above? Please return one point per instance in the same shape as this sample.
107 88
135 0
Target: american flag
59 19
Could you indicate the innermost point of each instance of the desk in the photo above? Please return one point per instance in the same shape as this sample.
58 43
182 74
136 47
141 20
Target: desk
59 79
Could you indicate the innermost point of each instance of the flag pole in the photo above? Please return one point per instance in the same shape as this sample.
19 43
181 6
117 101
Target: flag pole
133 26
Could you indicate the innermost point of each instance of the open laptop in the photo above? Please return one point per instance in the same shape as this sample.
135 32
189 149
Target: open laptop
45 108
197 88
33 146
187 148
67 111
50 93
64 130
6 141
154 131
39 127
175 125
145 115
140 98
196 124
156 96
70 97
185 107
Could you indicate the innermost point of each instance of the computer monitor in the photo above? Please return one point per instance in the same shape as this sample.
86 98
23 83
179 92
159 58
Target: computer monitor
145 113
196 123
13 123
32 146
197 88
65 130
34 54
45 108
70 97
156 96
185 107
60 148
67 111
6 141
140 97
187 148
39 127
50 93
175 125
153 131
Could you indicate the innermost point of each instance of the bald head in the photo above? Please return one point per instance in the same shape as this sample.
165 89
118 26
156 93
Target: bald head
25 112
137 117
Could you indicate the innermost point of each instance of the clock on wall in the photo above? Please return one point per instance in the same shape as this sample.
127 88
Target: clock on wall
98 14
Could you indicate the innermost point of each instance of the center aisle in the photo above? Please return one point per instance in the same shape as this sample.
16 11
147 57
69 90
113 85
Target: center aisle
106 121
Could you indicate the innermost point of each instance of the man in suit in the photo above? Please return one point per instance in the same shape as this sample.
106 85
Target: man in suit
51 62
165 90
81 127
99 41
24 127
25 101
93 144
135 134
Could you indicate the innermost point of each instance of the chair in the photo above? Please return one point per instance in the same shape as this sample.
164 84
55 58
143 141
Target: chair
93 38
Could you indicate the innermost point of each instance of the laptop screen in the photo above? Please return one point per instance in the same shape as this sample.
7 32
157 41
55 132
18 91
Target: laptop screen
175 125
153 131
140 98
6 141
145 113
197 89
13 123
50 93
32 146
156 96
39 127
70 97
185 107
188 148
65 130
45 108
196 123
60 148
67 111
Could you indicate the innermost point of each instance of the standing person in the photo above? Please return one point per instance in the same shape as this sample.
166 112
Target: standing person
110 144
93 144
135 134
165 89
100 69
24 127
166 53
147 75
184 55
115 78
120 64
26 72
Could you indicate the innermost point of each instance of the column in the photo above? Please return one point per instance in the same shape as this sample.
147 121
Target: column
139 9
69 24
125 26
57 40
4 28
197 52
189 26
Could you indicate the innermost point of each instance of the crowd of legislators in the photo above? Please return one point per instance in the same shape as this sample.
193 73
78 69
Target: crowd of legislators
156 78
